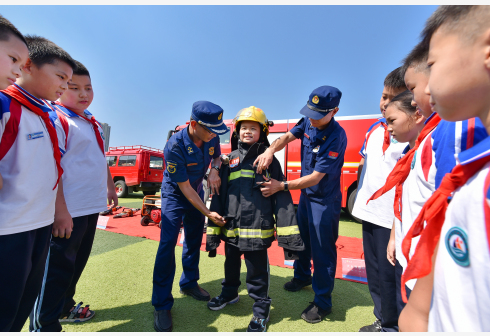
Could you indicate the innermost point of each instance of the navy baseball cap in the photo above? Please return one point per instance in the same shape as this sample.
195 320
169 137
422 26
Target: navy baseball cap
321 102
210 116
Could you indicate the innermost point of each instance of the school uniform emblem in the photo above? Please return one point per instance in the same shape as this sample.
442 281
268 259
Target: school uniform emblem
315 100
316 149
36 135
211 150
457 246
171 167
333 155
189 150
234 163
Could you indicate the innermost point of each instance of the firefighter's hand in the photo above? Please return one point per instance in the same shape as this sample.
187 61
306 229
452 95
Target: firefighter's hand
63 225
214 182
391 252
216 218
112 197
263 161
271 187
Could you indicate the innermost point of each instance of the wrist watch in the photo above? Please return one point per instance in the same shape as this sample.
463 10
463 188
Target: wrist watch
216 167
286 186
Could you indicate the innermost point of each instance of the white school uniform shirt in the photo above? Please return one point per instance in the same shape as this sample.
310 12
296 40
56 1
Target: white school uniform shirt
417 189
461 292
377 167
84 164
27 199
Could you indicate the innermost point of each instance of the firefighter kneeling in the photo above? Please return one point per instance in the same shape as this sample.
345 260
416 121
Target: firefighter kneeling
249 228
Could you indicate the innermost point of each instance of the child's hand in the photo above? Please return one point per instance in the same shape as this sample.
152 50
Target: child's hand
112 197
391 252
63 225
217 219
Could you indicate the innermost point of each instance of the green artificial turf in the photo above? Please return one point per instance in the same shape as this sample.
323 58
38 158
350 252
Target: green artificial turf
117 283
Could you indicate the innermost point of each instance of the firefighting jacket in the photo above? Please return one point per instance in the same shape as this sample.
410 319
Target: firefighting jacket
252 220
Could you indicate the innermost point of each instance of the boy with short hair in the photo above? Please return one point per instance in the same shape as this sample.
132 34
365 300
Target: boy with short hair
31 200
452 259
81 141
379 154
249 230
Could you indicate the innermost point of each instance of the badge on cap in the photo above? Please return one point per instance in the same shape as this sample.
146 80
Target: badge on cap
171 167
211 150
234 162
457 246
189 150
315 100
333 155
220 116
316 149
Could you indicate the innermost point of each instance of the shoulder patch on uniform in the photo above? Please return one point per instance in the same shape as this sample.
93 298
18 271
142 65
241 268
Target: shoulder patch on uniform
457 246
333 155
234 162
171 167
211 150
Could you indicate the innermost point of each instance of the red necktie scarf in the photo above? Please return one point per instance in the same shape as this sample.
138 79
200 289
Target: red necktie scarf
15 93
434 213
402 168
95 127
386 140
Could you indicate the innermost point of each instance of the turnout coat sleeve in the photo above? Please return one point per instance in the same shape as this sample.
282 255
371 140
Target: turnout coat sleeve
218 203
287 230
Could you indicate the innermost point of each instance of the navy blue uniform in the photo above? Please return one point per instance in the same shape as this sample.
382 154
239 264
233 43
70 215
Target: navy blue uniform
184 161
319 206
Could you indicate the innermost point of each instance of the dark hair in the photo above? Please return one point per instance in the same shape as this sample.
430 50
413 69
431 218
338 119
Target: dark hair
7 29
417 58
395 79
403 101
80 69
43 51
466 21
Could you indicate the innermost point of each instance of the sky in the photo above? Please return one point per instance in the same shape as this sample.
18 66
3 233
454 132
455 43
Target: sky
149 64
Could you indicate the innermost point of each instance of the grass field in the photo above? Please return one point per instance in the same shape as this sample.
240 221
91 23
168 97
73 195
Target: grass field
117 283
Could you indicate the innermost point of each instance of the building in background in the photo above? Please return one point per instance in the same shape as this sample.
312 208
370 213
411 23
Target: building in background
107 133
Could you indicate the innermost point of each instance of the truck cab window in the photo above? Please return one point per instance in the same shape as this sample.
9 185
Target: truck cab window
111 160
225 138
156 162
127 160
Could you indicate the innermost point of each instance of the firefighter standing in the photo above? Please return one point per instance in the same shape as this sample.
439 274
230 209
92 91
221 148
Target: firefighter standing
250 218
323 143
188 154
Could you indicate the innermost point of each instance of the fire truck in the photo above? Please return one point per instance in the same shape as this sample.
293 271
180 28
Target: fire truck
290 156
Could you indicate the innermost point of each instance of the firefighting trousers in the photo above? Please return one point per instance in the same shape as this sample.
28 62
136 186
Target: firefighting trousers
380 275
22 259
176 210
258 278
64 266
319 228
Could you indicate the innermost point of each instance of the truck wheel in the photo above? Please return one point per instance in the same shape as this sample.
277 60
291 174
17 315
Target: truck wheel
350 205
121 189
145 220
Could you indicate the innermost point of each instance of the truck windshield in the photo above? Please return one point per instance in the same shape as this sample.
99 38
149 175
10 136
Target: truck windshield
224 138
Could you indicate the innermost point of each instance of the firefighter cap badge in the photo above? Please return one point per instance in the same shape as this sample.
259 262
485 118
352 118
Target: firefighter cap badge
315 100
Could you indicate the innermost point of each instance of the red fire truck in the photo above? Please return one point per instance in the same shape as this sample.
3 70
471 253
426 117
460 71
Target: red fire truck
290 157
136 168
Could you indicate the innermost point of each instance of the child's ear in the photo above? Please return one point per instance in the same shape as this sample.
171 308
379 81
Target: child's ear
487 49
28 66
419 118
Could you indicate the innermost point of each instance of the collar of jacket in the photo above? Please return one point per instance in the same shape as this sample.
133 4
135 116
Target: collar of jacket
253 150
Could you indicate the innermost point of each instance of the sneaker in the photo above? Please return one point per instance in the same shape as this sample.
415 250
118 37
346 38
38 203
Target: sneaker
296 284
314 314
162 320
257 324
375 327
220 302
197 293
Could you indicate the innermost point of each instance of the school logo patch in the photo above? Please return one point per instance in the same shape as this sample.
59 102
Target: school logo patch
316 149
36 135
220 116
457 246
333 155
315 100
171 167
211 150
234 163
189 150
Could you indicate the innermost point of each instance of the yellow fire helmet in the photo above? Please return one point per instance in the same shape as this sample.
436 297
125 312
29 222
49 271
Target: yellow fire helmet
254 114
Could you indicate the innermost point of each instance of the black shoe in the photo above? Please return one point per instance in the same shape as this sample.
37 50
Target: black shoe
163 320
197 293
375 327
296 284
257 324
220 302
314 314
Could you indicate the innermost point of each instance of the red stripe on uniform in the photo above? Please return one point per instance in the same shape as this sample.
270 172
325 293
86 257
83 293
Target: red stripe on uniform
486 208
426 158
11 128
471 133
